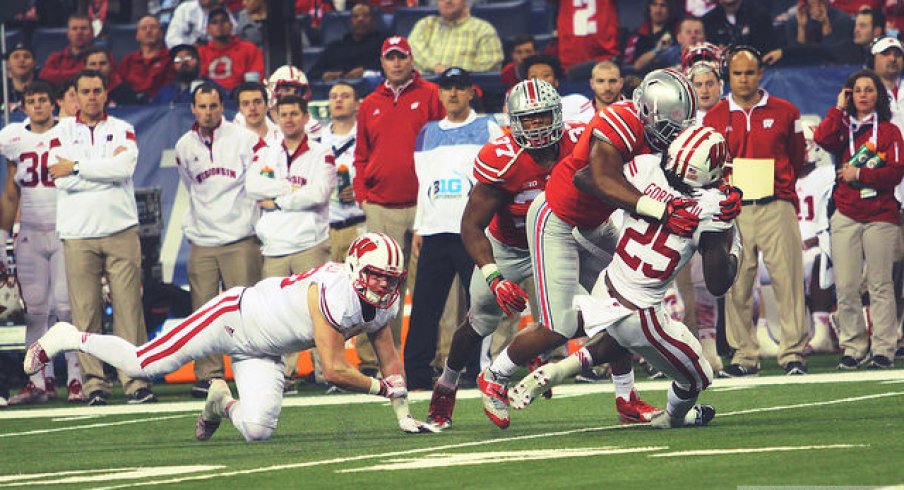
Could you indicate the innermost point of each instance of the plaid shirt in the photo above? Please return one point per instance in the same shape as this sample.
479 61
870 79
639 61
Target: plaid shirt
469 43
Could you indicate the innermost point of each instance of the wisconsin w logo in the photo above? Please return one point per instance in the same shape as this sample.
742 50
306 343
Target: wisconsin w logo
362 246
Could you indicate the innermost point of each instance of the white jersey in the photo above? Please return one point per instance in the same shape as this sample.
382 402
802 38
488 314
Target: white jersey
220 211
100 200
577 108
343 148
277 320
648 257
301 184
29 152
814 191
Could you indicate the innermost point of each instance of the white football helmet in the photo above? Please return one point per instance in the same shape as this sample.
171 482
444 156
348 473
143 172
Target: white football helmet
287 76
666 103
816 155
697 156
532 97
700 53
376 253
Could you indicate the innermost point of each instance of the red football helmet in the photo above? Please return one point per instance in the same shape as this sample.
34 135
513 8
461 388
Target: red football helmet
376 254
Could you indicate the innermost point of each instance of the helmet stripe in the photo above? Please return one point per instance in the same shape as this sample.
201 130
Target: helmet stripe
532 91
692 142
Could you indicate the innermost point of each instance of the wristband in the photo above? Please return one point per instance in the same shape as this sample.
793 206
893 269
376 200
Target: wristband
647 206
490 272
75 167
374 387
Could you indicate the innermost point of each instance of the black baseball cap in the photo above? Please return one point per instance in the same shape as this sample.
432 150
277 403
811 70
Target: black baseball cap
455 77
182 47
18 47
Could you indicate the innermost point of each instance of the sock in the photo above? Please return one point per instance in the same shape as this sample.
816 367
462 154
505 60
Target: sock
73 368
566 368
449 378
37 379
503 367
585 358
624 385
678 406
114 351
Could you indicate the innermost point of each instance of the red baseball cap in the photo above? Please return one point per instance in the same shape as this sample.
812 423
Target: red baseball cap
396 43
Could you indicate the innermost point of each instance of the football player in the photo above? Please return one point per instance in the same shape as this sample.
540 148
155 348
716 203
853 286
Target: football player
322 307
41 270
626 305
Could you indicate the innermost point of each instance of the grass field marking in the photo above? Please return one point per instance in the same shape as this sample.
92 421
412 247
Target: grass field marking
812 404
91 426
445 460
91 476
891 382
720 389
748 450
75 417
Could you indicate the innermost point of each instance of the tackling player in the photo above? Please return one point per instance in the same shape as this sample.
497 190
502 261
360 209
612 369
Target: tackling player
320 308
41 272
626 305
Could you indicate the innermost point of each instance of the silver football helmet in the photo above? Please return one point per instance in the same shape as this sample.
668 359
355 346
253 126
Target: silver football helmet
666 103
529 98
698 156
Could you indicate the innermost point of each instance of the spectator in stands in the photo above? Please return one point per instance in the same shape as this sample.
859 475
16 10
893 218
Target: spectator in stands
851 7
118 92
737 22
864 225
252 100
20 65
587 33
66 100
758 125
444 153
97 219
187 66
656 33
385 183
67 62
522 47
689 32
887 60
606 82
189 22
358 51
575 107
150 67
818 33
867 25
346 215
250 21
455 38
226 59
213 159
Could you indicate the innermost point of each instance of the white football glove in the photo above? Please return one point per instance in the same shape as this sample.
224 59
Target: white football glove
411 426
393 387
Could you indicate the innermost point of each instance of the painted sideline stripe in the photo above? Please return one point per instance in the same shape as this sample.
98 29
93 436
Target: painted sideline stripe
407 452
472 394
90 426
721 452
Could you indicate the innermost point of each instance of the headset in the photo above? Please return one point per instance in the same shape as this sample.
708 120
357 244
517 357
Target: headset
731 51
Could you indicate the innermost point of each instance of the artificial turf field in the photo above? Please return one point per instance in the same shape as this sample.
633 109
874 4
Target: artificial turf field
825 429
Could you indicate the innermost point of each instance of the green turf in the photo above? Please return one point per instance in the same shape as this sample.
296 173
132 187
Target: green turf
367 433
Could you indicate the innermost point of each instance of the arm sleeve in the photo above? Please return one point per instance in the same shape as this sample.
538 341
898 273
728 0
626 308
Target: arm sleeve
317 190
114 168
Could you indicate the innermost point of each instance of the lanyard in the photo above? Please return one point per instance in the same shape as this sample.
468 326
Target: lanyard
855 125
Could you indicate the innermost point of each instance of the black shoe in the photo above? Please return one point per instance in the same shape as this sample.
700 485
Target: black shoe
899 354
847 363
290 387
591 375
199 390
795 368
881 362
142 395
738 371
97 398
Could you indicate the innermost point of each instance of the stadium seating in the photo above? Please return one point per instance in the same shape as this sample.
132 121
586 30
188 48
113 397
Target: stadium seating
630 14
309 56
121 40
405 18
334 26
509 18
14 37
46 40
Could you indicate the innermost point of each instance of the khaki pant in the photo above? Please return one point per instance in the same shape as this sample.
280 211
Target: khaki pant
118 257
296 263
871 246
771 228
398 224
341 239
235 264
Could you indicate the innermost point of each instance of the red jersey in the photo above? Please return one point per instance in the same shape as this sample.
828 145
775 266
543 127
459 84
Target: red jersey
227 64
588 31
770 129
620 124
505 165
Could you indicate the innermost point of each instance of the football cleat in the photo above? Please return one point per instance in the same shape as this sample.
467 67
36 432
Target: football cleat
39 353
698 416
635 410
529 388
535 364
75 394
494 393
50 388
218 397
35 359
442 403
29 395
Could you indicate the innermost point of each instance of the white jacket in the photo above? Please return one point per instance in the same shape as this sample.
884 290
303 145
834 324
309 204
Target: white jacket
100 200
301 188
219 212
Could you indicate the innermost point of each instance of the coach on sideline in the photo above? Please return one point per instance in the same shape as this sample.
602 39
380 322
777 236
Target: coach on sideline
97 219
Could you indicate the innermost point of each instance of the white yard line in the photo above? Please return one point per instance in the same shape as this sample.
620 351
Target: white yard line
750 450
89 426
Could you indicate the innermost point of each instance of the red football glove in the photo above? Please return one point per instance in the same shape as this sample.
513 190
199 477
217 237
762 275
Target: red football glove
731 205
511 298
679 218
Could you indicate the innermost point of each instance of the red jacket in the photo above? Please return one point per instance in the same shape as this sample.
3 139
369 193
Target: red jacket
771 129
509 75
62 65
227 64
388 125
597 37
833 134
146 75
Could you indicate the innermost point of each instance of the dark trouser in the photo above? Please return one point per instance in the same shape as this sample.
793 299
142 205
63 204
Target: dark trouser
441 257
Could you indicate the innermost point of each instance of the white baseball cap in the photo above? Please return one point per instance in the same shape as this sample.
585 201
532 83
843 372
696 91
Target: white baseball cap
886 43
